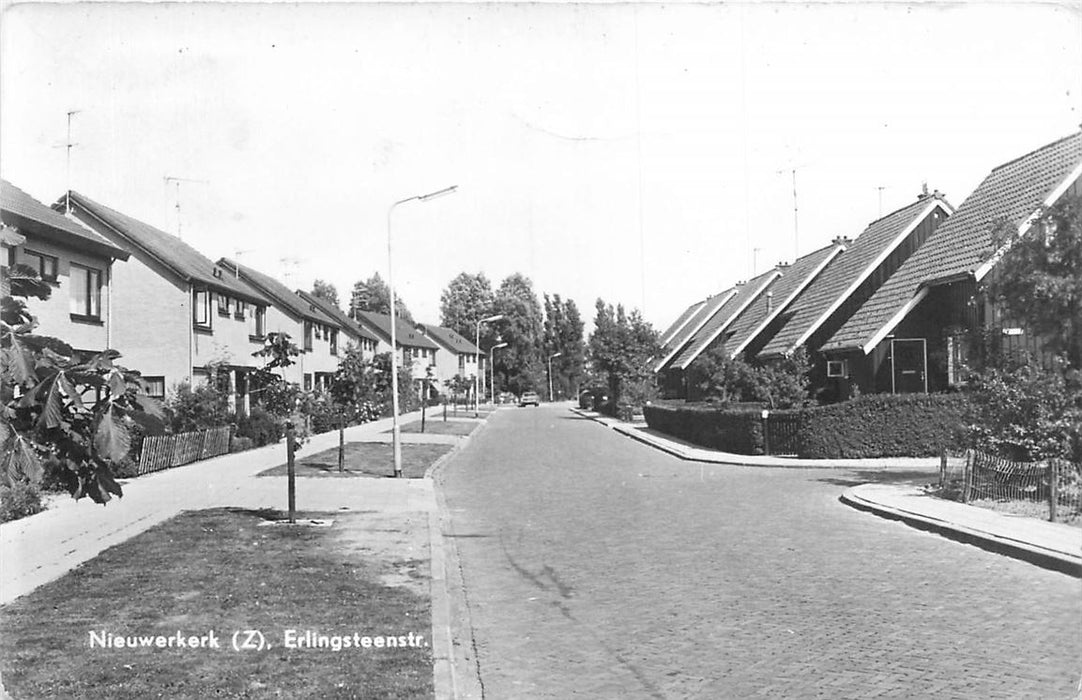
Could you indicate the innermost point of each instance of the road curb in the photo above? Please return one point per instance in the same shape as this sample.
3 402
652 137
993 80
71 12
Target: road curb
454 667
1045 558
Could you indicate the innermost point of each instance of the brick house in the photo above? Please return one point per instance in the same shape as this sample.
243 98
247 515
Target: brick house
314 332
77 262
457 356
174 311
351 330
834 296
417 351
915 333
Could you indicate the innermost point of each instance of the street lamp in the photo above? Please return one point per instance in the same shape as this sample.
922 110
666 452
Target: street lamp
492 370
555 354
477 374
395 435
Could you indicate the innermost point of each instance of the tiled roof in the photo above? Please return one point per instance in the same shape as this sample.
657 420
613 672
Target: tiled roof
683 335
679 322
344 321
279 294
187 262
19 209
1011 192
721 320
450 339
793 281
844 274
405 333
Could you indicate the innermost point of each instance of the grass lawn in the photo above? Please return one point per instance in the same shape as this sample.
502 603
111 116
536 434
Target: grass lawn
436 426
218 571
365 459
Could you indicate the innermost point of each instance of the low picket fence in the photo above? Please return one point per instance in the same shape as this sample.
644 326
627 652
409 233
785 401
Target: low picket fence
1050 489
166 451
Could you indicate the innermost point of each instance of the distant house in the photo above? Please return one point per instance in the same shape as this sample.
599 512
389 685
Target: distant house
313 331
848 282
76 261
174 311
694 317
417 352
915 332
457 356
353 332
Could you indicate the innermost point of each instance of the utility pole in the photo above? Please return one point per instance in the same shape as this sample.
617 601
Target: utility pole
177 180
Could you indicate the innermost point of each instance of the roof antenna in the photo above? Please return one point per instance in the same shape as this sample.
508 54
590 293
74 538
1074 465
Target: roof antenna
177 181
881 188
236 265
68 145
796 228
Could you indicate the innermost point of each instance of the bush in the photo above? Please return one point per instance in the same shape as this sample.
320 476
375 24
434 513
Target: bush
19 500
200 408
240 444
260 427
716 427
883 425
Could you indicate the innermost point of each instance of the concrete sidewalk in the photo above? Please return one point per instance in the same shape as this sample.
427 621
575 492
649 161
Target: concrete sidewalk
687 451
1051 545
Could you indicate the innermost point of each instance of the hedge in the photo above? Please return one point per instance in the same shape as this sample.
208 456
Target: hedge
873 425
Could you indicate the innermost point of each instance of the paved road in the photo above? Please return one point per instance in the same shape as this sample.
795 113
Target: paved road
598 567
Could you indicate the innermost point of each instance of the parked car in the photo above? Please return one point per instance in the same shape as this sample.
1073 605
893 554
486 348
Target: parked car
529 398
593 399
506 397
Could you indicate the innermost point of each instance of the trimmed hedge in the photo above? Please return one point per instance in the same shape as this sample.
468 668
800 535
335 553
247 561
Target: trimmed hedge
873 425
883 425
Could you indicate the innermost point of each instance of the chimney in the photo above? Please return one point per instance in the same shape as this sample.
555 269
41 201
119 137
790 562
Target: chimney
923 191
782 265
769 301
842 240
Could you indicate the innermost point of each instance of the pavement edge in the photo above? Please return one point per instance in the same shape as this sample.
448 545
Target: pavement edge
1013 548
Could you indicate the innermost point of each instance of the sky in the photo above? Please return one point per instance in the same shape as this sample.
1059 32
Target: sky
640 153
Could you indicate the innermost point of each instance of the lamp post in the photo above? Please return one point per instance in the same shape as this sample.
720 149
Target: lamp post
395 435
555 354
477 374
492 370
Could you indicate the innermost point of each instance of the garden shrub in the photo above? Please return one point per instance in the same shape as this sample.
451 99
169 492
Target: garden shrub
19 499
240 444
259 426
714 426
205 406
883 425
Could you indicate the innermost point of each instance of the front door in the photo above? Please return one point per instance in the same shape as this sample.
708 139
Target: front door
910 364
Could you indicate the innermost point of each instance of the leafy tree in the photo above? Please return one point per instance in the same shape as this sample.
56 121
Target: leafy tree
374 295
325 290
467 299
620 350
563 333
62 412
1038 282
365 385
719 378
518 367
198 408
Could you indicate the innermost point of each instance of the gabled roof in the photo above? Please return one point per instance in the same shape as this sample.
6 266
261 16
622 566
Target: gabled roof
962 247
845 274
679 323
168 250
405 334
278 294
721 321
782 293
701 315
449 339
344 321
19 209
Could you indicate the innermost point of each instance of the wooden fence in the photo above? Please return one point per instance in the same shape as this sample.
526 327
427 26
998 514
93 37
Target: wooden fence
164 451
1051 488
782 434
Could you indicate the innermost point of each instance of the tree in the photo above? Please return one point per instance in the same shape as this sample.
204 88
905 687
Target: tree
374 295
518 367
620 350
1037 281
719 378
563 333
467 299
325 290
61 412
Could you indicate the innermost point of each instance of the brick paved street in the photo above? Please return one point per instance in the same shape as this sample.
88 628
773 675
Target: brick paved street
598 567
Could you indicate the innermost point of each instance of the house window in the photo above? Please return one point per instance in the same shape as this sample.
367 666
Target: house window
334 342
957 359
461 364
45 265
223 305
307 335
241 307
201 308
307 382
85 292
257 323
154 387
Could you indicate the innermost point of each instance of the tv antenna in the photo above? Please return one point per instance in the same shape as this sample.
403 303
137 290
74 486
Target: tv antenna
67 146
796 219
290 265
176 181
881 188
236 260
